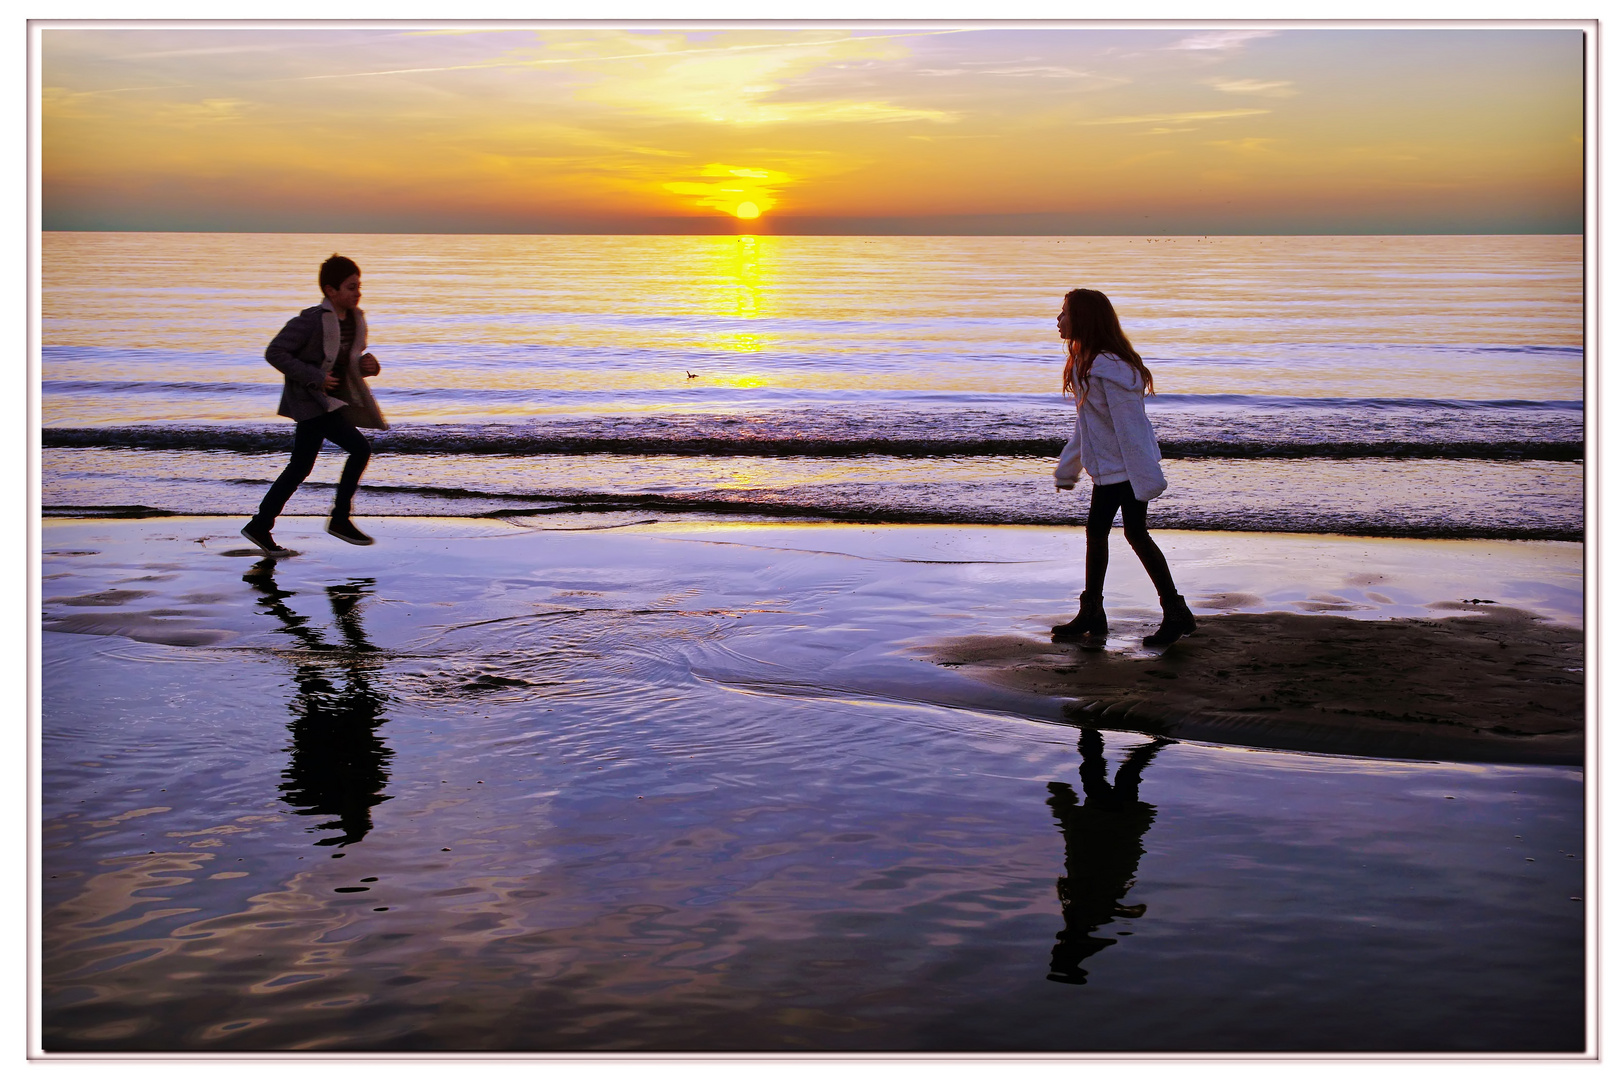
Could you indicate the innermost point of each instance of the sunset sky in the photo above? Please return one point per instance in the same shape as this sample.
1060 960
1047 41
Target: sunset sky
863 129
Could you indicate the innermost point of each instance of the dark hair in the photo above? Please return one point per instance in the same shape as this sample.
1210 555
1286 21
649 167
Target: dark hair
336 270
1093 330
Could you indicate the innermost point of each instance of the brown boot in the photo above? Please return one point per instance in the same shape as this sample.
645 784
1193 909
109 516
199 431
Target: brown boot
1178 622
1089 628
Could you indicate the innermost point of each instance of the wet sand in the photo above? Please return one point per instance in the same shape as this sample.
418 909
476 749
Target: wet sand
1500 685
587 784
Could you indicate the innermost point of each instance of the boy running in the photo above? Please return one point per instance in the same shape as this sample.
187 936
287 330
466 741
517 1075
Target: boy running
322 354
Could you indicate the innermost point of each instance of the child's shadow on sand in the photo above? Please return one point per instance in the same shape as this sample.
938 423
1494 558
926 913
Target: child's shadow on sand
339 767
1102 841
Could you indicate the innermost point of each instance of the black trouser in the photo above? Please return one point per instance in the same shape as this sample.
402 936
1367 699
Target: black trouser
1106 501
307 440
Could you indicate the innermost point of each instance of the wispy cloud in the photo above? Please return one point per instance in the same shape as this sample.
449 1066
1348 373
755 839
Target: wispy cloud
1244 146
1025 71
1173 118
803 85
260 48
652 52
1220 40
1258 87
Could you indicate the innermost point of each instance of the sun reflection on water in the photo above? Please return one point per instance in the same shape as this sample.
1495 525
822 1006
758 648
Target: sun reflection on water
741 271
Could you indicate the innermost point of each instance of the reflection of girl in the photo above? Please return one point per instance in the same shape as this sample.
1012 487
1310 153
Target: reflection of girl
1102 845
1114 443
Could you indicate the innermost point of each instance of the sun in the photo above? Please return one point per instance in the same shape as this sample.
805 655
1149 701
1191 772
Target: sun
747 210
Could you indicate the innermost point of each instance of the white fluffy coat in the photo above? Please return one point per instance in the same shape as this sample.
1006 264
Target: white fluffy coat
1113 440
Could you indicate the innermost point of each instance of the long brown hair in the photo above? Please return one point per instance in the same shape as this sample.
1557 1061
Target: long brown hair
1093 330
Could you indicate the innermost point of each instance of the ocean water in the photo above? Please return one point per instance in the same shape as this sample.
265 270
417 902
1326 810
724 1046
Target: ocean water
1394 386
596 752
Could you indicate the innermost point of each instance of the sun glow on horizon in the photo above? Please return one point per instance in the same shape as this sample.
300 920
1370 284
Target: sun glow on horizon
743 193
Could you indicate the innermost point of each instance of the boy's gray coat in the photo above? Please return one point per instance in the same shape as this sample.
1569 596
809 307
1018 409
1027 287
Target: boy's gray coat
304 353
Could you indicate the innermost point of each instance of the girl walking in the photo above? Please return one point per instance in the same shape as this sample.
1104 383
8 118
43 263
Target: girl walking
1114 443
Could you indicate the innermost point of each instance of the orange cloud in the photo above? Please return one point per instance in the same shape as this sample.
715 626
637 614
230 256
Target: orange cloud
732 189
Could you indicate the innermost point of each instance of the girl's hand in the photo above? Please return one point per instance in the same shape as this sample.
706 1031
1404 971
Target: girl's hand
369 365
331 383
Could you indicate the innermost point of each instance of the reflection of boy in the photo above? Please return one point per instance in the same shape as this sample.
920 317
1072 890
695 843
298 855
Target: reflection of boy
339 764
322 355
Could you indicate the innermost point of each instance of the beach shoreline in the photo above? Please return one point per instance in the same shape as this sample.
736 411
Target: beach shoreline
1294 653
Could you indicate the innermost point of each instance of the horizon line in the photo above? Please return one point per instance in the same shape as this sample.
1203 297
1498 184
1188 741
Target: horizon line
764 233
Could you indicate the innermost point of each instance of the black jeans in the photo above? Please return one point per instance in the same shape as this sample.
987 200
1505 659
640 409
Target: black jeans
1106 501
307 440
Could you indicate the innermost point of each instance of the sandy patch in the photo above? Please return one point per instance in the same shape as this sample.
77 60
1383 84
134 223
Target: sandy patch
1499 686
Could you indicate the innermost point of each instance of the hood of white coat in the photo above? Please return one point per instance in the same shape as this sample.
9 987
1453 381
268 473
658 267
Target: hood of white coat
1117 371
